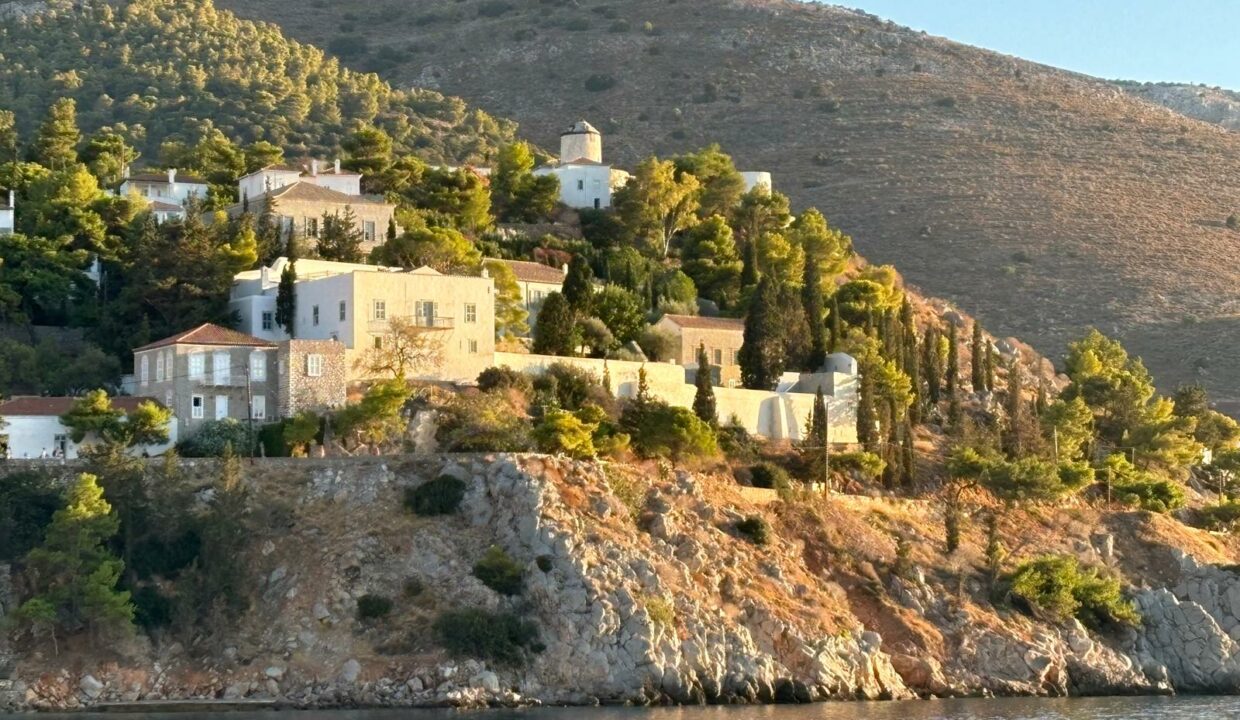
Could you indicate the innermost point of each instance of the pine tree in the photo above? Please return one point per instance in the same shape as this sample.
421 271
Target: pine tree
761 356
555 330
286 299
811 300
73 573
269 234
55 145
834 343
977 359
704 398
995 552
578 288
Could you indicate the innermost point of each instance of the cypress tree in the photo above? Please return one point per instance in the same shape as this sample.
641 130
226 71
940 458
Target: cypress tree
391 229
793 328
578 286
990 367
286 299
1014 438
815 446
749 268
761 356
933 369
952 379
866 415
908 335
704 399
834 342
978 359
912 368
555 330
908 459
811 300
1040 404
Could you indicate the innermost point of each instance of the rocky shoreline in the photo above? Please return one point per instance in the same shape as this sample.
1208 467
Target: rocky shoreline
741 628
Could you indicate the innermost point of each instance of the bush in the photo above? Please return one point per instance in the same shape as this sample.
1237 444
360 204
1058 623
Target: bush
165 557
1233 222
600 82
869 465
544 563
412 588
483 422
736 442
501 638
441 496
561 431
504 378
572 387
659 430
28 499
770 476
661 611
271 440
372 607
659 345
1058 587
500 572
1222 517
217 438
151 608
1153 495
755 529
300 431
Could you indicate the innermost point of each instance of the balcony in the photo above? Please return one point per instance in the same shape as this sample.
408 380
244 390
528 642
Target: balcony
438 322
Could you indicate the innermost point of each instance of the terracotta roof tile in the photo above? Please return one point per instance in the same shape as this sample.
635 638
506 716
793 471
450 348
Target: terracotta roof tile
697 322
56 406
535 272
210 334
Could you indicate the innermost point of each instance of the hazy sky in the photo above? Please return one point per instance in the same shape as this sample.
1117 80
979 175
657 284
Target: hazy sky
1174 40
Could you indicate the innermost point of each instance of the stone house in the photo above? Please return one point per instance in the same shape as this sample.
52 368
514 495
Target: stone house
30 427
167 192
536 281
211 373
722 337
302 205
355 304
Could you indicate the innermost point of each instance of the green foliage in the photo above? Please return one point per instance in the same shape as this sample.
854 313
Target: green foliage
755 529
868 464
500 572
1137 488
300 431
560 431
483 422
657 203
503 377
501 638
721 183
659 345
93 415
1224 516
516 193
570 387
1070 423
442 248
510 314
704 396
1057 586
711 260
339 239
376 419
152 608
827 248
373 607
441 496
555 329
660 610
217 438
72 572
578 288
660 430
620 310
762 354
28 501
186 68
1034 479
770 476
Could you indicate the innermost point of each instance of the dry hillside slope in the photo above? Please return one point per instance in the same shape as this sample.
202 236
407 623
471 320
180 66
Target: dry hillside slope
1040 200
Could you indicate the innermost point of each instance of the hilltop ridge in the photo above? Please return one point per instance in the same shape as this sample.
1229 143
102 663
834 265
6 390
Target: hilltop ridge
1043 200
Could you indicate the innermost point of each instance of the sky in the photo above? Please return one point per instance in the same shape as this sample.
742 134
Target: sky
1194 41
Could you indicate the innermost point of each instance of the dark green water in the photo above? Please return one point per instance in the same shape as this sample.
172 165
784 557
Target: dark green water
1185 708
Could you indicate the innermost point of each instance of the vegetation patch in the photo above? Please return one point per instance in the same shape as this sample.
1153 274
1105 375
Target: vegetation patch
502 638
373 607
441 496
755 529
1058 587
498 571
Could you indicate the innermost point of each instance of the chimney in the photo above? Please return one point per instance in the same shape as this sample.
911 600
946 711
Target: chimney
172 176
314 167
337 166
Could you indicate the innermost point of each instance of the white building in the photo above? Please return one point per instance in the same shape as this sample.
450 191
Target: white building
30 427
585 180
167 193
353 304
536 281
274 177
757 178
7 221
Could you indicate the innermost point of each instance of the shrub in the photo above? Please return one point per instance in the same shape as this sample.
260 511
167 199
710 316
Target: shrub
372 607
1035 479
755 529
658 344
1233 222
503 377
572 387
412 588
1225 516
441 496
151 608
770 476
28 499
217 438
502 638
600 82
659 430
867 464
544 563
1057 586
500 572
300 431
736 442
1152 494
483 422
561 431
661 611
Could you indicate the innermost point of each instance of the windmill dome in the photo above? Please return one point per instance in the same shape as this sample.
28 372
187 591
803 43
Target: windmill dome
581 141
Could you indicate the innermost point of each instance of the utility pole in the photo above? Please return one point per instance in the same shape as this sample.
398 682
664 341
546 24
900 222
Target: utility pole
1055 437
826 446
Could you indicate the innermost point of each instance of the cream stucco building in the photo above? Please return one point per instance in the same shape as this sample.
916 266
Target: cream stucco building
354 305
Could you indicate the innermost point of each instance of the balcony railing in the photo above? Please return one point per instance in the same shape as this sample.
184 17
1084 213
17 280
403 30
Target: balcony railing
437 322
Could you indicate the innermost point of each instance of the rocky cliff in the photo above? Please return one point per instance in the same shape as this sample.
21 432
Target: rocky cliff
643 590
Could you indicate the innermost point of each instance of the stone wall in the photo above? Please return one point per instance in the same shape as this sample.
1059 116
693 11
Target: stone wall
297 390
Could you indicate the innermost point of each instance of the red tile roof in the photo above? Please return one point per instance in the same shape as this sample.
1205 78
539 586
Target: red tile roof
210 334
311 192
57 406
697 322
535 272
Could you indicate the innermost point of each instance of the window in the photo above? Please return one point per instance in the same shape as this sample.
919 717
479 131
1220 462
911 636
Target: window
197 365
258 407
380 312
221 407
342 311
732 357
269 320
168 398
425 312
258 366
220 372
145 372
368 230
311 226
471 313
314 314
195 407
473 347
718 356
581 184
168 365
314 365
378 342
159 367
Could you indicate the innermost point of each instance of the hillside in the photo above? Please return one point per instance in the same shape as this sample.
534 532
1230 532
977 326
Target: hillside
1043 201
1209 104
639 586
161 71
